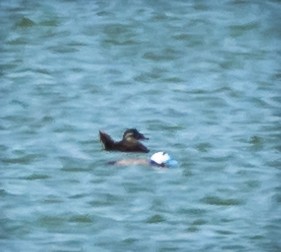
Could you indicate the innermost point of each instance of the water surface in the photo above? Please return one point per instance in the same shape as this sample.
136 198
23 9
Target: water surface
201 79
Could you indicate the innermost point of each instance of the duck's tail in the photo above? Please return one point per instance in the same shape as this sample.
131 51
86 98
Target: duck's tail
107 141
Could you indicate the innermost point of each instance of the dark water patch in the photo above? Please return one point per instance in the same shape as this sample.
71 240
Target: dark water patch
119 35
65 128
165 55
278 148
187 172
256 141
47 119
25 22
277 196
21 103
132 187
129 241
78 196
52 221
3 193
20 41
193 229
116 29
233 248
195 41
173 80
218 160
3 147
162 17
193 212
104 13
199 222
275 163
73 181
252 184
26 159
127 42
100 203
204 147
63 49
225 232
15 228
36 177
248 170
238 30
213 200
257 237
154 219
226 220
153 75
52 22
80 219
53 200
23 118
66 168
172 128
196 225
42 71
182 36
107 199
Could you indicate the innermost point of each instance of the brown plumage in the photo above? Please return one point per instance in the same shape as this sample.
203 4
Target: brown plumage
129 143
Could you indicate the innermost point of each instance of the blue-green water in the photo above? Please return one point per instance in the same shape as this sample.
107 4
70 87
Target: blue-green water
201 79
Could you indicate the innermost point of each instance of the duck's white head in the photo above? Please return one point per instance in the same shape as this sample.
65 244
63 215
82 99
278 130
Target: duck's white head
162 159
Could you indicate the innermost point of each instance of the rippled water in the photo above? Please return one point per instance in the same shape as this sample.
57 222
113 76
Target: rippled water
201 79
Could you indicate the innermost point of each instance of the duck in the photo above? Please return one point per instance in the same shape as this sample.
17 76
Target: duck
129 143
159 159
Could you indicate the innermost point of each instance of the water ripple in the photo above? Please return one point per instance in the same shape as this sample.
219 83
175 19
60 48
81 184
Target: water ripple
200 78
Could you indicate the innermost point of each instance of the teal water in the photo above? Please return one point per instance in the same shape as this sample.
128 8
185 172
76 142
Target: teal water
201 79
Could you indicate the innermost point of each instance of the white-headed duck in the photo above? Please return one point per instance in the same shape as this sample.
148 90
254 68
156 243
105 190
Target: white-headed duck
158 159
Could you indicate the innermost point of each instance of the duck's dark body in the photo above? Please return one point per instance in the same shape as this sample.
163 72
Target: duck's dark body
129 143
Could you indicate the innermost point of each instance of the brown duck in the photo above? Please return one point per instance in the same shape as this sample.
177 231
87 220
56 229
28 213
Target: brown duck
129 143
